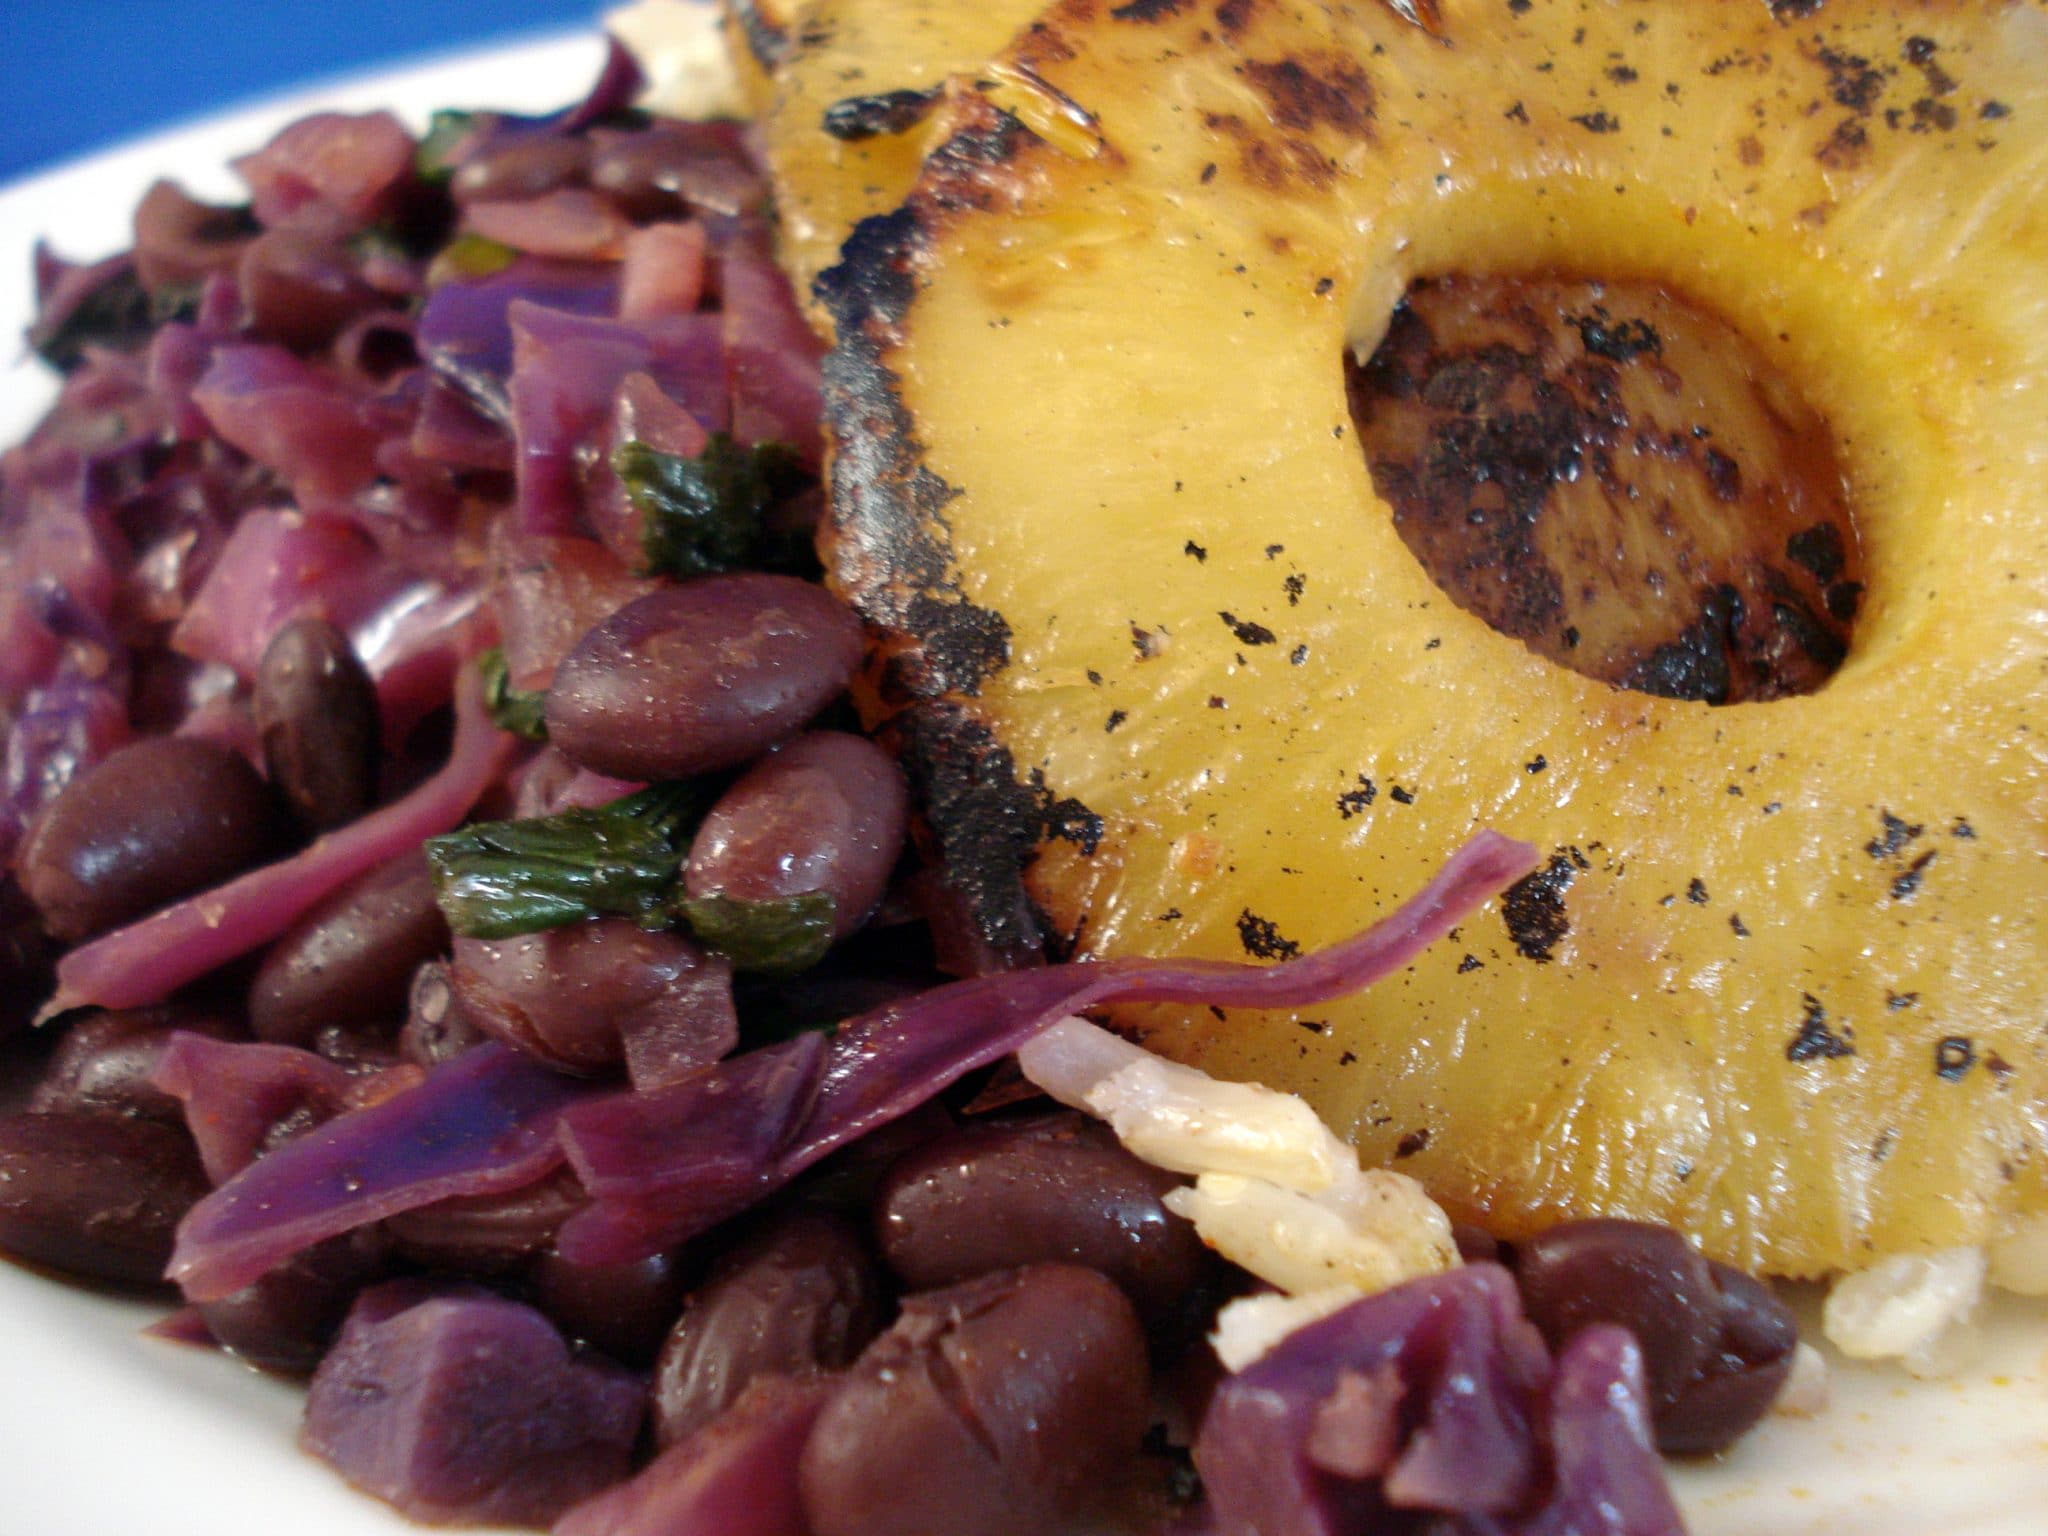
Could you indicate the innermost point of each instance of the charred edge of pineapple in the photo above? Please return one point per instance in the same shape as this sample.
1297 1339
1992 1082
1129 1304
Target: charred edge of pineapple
988 822
765 37
891 557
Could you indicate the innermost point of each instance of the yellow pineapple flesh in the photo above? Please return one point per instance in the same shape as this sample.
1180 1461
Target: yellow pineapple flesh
845 116
1172 681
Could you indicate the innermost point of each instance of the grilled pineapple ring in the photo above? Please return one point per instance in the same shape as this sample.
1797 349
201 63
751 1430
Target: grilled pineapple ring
1172 682
844 125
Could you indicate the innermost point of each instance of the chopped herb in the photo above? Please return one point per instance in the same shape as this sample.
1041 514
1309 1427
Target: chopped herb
434 160
120 315
788 934
471 257
498 879
518 710
708 514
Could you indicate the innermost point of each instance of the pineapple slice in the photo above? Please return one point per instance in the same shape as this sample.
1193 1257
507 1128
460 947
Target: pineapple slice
1172 681
759 35
844 123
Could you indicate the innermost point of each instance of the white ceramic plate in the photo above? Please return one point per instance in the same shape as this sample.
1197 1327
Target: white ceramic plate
104 1432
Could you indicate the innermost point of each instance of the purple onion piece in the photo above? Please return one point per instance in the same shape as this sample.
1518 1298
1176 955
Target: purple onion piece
737 1476
465 329
1607 1479
658 1177
455 1405
482 1124
308 425
147 961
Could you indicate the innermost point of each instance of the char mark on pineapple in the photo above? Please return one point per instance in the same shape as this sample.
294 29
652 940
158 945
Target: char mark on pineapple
988 820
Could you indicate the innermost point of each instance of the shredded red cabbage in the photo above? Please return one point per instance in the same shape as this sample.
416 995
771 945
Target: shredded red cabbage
149 960
481 1124
1435 1398
660 1168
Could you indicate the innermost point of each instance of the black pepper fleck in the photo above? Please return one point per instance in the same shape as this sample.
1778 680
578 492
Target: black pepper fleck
1954 1055
1247 631
1815 1041
1261 938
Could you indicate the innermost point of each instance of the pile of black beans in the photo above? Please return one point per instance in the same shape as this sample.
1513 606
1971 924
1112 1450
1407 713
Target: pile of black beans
1006 1295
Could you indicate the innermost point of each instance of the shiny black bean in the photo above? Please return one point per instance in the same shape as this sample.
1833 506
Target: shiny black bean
437 1027
348 964
316 710
300 289
1052 1188
158 820
1742 1378
285 1320
521 170
1716 1345
586 997
487 1235
95 1195
104 1062
701 676
800 1297
999 1407
824 813
625 1310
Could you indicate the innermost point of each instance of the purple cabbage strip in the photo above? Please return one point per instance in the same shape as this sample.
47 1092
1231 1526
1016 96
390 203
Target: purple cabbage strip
1435 1398
236 1095
648 1161
458 1406
482 1124
306 424
149 960
465 329
737 1476
566 373
666 1164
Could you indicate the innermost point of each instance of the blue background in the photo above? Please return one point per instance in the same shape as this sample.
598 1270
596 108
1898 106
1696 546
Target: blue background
78 75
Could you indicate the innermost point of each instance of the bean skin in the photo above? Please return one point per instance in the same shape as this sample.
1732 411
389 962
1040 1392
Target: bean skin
316 711
1052 1188
825 813
582 997
284 1321
159 820
96 1196
348 964
487 1235
702 676
799 1298
1716 1344
105 1061
995 1408
623 1309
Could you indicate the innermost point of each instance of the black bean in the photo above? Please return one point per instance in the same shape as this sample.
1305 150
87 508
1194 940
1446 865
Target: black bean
995 1408
586 997
521 170
800 1297
701 676
160 819
824 813
1743 1376
1716 1344
487 1235
625 1310
27 958
348 964
285 1320
316 710
95 1195
104 1063
1052 1188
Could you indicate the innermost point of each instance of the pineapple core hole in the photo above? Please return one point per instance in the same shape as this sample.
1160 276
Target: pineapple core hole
1617 478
